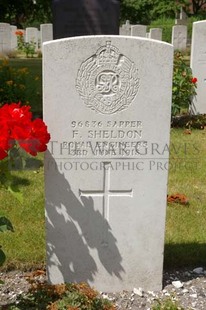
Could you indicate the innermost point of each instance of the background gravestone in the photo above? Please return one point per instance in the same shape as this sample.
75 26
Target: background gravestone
155 33
46 33
32 36
125 29
139 30
179 37
5 38
107 103
85 17
197 64
13 30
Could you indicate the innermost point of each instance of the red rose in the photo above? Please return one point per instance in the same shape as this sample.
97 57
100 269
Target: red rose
194 80
14 113
19 33
13 116
16 126
36 138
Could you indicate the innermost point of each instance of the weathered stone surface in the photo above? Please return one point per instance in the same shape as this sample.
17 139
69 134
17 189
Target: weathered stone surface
107 102
5 38
179 37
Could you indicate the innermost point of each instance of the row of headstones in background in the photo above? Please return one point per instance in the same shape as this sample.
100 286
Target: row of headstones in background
179 33
8 38
140 31
198 54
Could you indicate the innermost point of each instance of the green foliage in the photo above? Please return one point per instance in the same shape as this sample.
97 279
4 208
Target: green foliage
166 9
189 121
184 86
167 304
33 90
6 179
29 48
62 297
137 12
25 12
166 25
5 225
12 83
2 257
18 83
146 11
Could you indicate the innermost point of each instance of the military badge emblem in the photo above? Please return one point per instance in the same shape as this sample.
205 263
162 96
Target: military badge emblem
107 81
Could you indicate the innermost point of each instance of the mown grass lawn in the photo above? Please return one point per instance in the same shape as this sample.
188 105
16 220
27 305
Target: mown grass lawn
185 240
186 225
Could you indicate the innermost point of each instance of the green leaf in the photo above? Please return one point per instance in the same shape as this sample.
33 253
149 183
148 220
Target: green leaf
2 257
5 224
16 193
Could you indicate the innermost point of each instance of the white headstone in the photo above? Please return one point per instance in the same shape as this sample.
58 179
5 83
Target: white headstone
46 31
179 37
156 34
125 29
13 37
32 36
5 38
139 30
108 113
198 63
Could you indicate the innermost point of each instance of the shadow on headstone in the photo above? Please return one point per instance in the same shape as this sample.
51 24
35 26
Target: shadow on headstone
79 227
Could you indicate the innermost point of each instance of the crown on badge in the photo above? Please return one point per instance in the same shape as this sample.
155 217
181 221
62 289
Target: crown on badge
108 54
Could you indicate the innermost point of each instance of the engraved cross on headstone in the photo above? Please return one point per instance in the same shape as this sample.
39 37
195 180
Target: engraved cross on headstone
106 192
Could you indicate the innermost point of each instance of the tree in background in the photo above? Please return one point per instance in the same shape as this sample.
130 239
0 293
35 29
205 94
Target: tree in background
136 11
25 12
145 11
196 7
166 8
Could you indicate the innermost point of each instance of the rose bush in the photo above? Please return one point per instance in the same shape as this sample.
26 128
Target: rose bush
27 47
18 132
184 85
